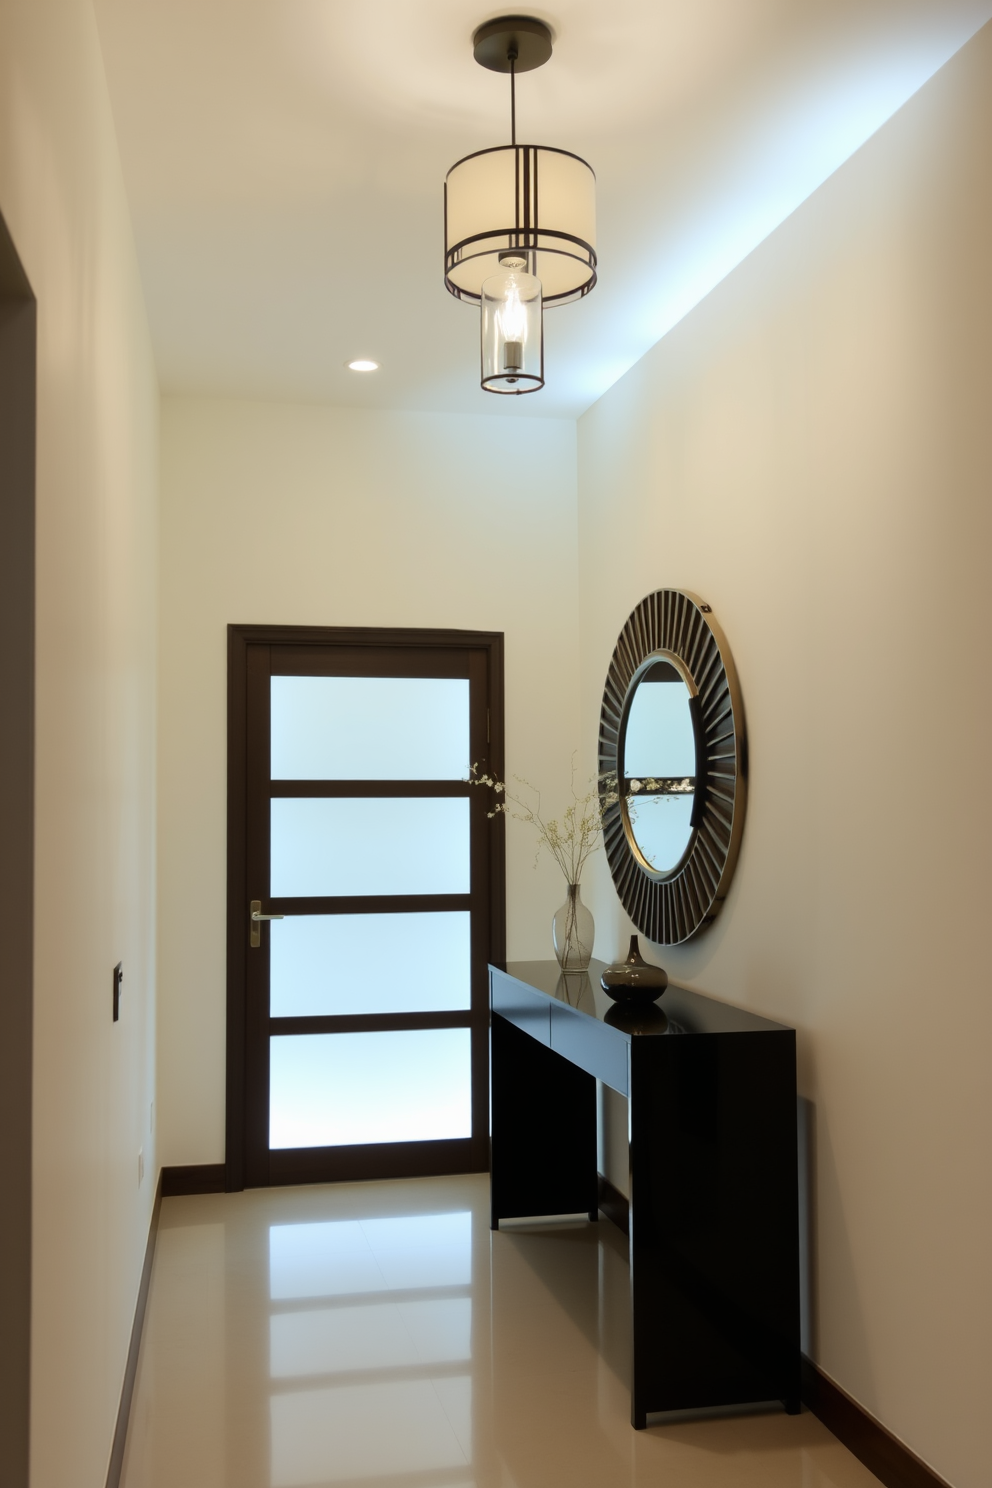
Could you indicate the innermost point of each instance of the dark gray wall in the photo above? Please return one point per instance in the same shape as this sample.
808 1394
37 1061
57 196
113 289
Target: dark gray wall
17 521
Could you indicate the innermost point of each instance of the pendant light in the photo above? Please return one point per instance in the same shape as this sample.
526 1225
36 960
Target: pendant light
519 224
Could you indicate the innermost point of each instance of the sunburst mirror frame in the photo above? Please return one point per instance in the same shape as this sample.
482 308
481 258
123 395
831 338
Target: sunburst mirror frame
677 626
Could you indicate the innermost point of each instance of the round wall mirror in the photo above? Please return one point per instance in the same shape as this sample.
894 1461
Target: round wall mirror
658 780
672 766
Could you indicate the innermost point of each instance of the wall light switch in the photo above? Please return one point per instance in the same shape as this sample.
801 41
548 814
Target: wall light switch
118 988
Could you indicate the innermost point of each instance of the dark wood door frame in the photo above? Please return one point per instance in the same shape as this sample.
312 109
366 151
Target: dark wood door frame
18 321
240 638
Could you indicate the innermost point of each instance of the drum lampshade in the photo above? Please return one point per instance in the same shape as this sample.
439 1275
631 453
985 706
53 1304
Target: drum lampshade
529 197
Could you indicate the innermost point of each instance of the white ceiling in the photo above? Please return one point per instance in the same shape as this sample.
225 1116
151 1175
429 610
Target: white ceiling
284 161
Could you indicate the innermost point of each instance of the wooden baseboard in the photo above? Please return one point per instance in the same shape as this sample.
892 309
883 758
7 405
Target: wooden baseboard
882 1453
867 1439
194 1178
614 1204
116 1464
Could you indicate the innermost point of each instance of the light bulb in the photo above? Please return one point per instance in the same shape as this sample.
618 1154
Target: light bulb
512 321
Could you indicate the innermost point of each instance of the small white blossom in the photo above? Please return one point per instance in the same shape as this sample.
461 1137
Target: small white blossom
570 838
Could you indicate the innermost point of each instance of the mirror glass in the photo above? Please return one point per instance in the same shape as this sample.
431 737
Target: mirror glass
659 765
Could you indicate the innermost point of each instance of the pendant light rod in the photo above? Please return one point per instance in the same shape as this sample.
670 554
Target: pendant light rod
512 58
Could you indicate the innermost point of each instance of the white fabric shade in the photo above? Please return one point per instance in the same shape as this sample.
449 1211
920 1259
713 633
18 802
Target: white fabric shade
526 196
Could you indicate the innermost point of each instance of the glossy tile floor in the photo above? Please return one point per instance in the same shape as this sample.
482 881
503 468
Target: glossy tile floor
377 1334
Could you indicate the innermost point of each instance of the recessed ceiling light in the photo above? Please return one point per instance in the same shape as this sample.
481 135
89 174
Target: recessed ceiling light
363 365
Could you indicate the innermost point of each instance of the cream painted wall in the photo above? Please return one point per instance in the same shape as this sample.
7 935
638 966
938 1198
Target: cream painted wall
309 515
63 199
811 450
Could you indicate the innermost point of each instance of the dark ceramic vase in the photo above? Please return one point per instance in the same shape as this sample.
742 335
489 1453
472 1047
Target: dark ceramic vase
634 980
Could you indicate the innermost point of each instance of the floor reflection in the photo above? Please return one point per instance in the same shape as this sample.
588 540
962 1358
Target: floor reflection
378 1335
361 1431
388 1314
363 1336
326 1258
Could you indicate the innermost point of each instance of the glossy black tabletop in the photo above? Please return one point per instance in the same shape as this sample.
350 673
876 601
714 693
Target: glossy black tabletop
677 1011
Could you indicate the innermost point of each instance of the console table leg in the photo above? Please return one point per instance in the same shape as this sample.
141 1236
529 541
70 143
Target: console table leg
543 1148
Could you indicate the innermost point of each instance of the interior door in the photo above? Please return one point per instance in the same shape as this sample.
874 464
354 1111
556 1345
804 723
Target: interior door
366 901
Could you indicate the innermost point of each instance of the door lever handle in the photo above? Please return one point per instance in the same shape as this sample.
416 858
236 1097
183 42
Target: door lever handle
255 936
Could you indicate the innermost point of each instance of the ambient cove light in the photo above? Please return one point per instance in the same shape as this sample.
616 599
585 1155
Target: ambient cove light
519 224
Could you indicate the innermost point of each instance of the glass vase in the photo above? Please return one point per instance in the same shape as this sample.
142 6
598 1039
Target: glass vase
573 930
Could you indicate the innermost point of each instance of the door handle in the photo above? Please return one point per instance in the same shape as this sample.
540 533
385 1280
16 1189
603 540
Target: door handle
255 936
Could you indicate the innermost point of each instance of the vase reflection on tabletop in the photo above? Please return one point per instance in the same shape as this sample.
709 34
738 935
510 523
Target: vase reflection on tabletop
573 930
575 988
638 1017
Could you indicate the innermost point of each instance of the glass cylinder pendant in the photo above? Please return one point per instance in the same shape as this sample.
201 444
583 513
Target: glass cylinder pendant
512 330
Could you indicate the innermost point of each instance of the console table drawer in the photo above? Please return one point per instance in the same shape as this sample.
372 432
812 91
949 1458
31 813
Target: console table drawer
528 1010
591 1045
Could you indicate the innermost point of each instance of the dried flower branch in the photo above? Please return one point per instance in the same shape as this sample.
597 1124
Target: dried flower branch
570 838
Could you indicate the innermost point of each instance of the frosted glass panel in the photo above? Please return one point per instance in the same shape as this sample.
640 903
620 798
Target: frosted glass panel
334 1089
361 845
370 963
370 728
331 1258
659 739
661 827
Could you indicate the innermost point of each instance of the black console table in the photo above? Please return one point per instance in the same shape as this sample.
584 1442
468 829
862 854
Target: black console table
714 1206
